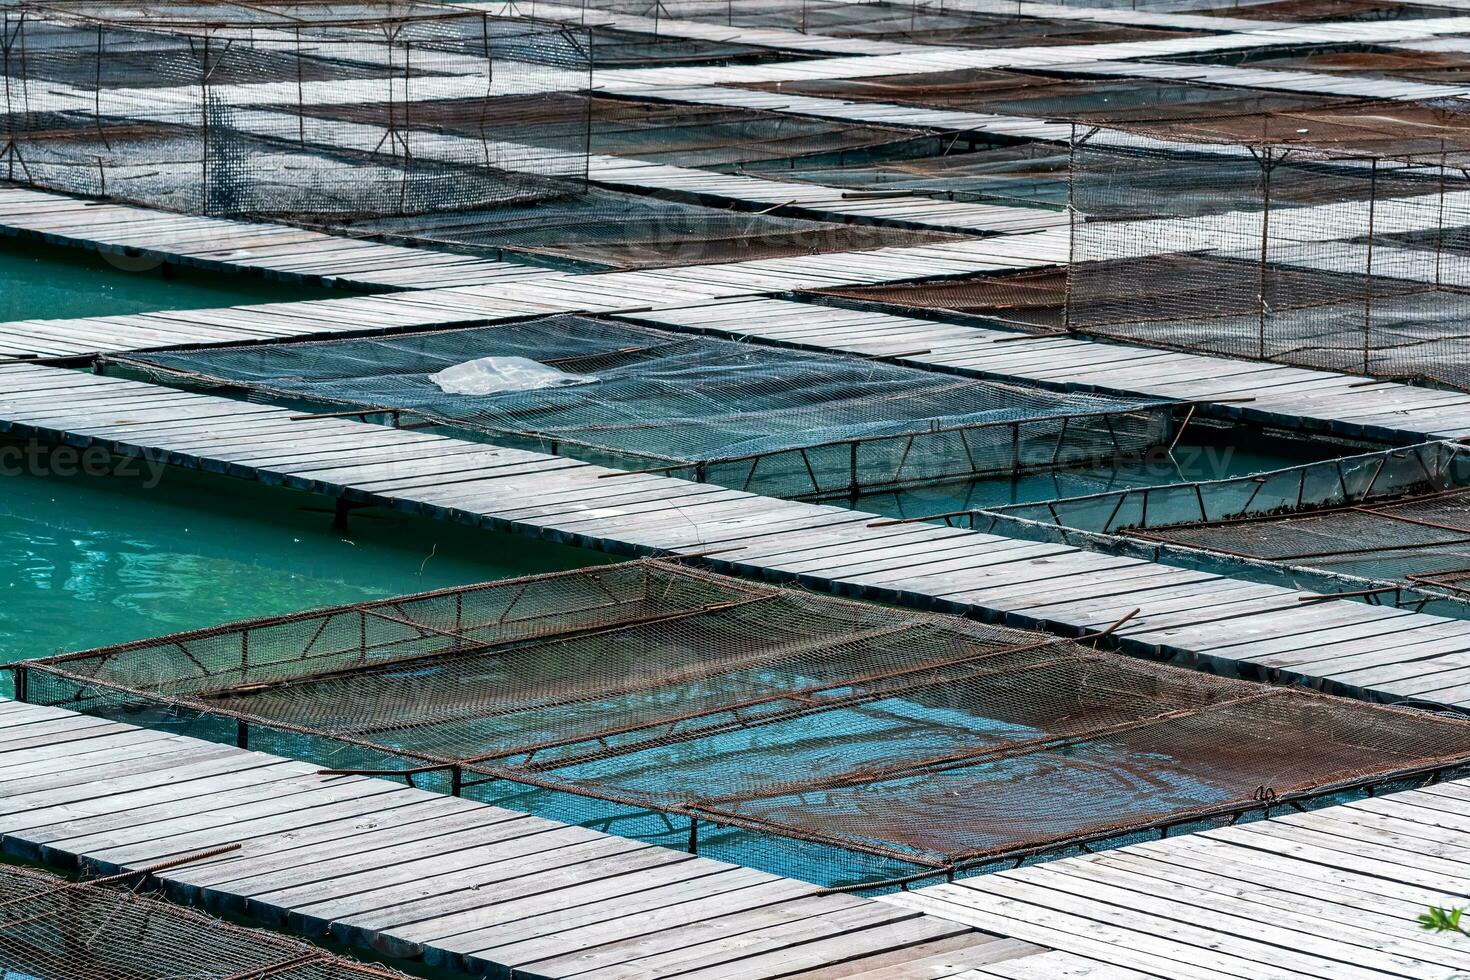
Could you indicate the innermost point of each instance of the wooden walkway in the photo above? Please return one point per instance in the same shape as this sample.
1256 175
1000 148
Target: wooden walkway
278 251
1191 616
1331 894
419 875
550 292
1283 395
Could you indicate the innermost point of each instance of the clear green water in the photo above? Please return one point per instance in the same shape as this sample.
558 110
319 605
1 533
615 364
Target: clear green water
46 282
92 560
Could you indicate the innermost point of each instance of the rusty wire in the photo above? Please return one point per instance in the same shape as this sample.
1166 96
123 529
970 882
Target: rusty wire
55 929
920 740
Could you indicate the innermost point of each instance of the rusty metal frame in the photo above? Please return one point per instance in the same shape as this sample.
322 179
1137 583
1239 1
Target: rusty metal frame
467 771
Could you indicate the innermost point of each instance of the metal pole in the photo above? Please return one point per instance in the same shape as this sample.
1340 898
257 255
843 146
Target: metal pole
1266 167
1439 220
204 115
1368 270
1071 230
300 95
9 148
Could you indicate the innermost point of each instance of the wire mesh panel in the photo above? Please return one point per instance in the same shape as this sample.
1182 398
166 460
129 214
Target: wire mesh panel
1391 524
1347 252
1032 299
1411 538
205 107
1099 100
927 741
775 421
55 929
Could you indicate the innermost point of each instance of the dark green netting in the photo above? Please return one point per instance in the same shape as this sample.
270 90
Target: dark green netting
777 421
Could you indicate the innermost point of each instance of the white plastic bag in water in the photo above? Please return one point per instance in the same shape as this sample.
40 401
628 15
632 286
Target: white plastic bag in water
496 375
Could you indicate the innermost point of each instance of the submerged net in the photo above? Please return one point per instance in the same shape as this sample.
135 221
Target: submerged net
54 929
923 740
771 420
208 107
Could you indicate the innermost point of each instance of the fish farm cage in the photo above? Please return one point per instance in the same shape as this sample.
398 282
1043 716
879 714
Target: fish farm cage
52 928
1336 240
604 229
750 417
991 23
210 107
1032 300
1062 95
821 738
797 15
1391 527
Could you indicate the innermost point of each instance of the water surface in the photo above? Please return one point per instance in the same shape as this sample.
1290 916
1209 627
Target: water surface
52 282
87 561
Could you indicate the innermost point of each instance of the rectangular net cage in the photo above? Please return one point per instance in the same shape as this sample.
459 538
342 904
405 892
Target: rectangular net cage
652 15
770 420
52 928
818 737
1326 239
1390 526
968 23
1415 538
219 108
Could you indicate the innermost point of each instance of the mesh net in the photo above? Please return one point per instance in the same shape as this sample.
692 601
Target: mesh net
658 132
1326 253
613 48
797 15
1031 299
923 740
604 229
1435 67
1318 10
54 929
209 107
1026 175
1103 100
1408 539
776 421
911 23
1382 519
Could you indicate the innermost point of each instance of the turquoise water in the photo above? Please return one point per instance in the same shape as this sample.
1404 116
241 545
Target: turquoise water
45 282
87 561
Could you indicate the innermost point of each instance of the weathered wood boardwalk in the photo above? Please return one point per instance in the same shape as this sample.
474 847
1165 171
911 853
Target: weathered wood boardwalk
1331 893
409 873
1257 630
547 293
280 251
